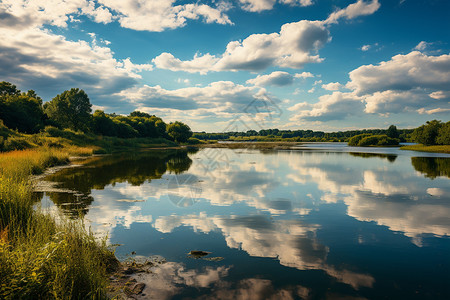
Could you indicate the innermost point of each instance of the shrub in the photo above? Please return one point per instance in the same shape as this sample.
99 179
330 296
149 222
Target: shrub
354 141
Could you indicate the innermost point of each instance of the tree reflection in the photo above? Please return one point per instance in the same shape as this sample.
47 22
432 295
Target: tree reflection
133 168
432 167
389 157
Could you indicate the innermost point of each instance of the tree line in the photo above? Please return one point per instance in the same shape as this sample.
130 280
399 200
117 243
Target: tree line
340 136
27 113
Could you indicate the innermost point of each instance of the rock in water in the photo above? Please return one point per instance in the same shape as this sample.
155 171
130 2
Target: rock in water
198 253
138 288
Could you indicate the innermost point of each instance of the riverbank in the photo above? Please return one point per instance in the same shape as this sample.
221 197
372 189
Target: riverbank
423 148
41 255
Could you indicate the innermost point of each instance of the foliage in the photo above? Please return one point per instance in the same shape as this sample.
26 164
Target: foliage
71 109
428 133
365 140
432 167
179 132
20 111
354 141
392 132
443 137
41 258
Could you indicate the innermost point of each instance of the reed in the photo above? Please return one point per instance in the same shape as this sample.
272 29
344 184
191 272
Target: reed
42 255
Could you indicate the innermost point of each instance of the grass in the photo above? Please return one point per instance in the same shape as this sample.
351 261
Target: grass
41 255
423 148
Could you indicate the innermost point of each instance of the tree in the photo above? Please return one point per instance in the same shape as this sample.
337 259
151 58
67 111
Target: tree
443 137
7 88
21 111
392 132
140 114
71 109
427 134
179 131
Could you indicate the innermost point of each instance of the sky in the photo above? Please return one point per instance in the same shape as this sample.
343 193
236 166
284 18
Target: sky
227 65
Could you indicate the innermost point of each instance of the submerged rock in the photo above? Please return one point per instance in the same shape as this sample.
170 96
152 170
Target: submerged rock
198 253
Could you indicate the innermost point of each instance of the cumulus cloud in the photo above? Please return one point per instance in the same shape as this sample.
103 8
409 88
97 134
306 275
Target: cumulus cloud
34 57
360 8
223 98
163 14
261 5
332 86
277 78
403 72
414 82
336 106
295 45
406 82
365 47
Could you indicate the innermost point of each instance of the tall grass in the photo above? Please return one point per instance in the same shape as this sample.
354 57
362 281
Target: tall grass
40 257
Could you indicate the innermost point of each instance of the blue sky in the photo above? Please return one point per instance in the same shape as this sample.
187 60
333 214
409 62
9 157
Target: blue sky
242 64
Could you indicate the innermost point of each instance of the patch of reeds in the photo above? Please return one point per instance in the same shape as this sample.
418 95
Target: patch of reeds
42 257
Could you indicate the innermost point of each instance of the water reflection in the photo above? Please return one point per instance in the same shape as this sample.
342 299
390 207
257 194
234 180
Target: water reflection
298 224
133 169
432 167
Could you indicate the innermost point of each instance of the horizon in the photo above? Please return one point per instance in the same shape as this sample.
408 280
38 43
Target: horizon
249 64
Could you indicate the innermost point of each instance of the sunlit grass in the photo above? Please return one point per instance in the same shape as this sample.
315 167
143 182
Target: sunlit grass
423 148
39 257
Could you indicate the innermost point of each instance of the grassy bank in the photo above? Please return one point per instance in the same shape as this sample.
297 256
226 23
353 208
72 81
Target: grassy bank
423 148
41 256
74 141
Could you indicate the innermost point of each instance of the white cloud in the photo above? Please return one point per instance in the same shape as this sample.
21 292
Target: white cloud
36 58
261 5
223 98
304 75
298 2
295 45
201 64
162 14
332 86
413 82
360 8
336 106
433 111
365 47
422 46
299 106
277 78
134 14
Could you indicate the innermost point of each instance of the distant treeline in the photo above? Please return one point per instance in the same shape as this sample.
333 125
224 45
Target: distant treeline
303 135
25 112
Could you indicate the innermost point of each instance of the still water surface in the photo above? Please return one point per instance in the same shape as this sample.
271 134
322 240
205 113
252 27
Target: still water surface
317 223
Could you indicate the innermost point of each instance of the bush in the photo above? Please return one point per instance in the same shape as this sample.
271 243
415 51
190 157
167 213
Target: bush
366 140
16 143
354 141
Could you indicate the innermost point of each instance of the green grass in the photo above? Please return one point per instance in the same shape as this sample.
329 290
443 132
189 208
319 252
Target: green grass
44 256
423 148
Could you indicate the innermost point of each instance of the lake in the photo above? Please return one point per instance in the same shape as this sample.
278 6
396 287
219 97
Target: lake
323 221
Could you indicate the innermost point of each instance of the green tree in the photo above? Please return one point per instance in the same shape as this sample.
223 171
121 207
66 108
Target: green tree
392 132
443 137
21 111
427 134
71 109
7 88
140 114
179 132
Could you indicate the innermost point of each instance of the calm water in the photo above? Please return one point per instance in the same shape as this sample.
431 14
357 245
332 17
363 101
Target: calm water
322 223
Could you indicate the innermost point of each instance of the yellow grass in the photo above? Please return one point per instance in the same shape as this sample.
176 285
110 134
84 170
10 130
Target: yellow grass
423 148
